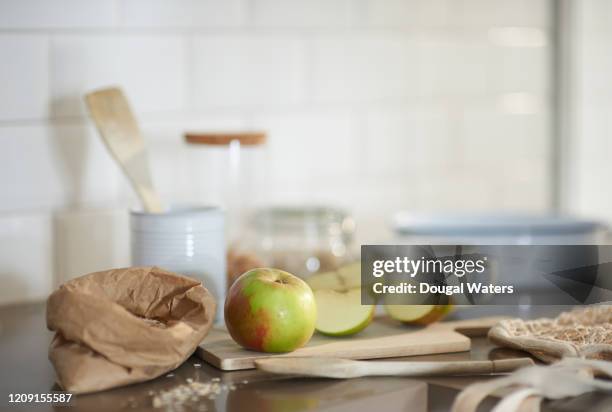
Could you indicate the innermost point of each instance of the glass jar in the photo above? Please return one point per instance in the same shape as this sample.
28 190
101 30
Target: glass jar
302 241
229 171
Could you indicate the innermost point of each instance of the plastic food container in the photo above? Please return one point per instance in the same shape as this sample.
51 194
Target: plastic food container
497 230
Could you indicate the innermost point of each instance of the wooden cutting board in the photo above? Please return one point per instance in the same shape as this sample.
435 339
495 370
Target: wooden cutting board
384 338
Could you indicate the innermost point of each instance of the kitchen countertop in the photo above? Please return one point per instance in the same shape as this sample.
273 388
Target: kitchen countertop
25 368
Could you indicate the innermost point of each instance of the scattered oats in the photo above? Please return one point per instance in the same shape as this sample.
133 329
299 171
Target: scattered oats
216 379
151 393
176 398
170 375
189 380
232 387
197 365
245 381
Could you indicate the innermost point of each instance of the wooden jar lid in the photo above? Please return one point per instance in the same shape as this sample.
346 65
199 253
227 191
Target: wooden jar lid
224 139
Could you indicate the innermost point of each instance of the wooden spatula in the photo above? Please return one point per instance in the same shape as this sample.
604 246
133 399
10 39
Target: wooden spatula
119 130
344 368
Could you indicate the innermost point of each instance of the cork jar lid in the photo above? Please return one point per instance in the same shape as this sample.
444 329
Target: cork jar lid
224 139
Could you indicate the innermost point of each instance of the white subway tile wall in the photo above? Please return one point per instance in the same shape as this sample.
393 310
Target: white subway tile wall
248 70
182 13
308 146
371 105
56 14
400 13
90 241
31 171
298 13
588 187
363 67
151 68
24 70
27 256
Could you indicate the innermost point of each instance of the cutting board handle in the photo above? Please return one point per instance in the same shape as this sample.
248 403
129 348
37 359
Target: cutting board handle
470 327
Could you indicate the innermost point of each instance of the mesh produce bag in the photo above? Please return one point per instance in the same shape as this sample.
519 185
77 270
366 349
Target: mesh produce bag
582 332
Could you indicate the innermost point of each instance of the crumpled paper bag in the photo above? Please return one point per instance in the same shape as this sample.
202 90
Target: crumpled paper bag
123 326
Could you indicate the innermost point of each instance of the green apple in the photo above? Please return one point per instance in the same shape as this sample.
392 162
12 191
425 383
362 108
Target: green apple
269 310
343 278
418 314
342 312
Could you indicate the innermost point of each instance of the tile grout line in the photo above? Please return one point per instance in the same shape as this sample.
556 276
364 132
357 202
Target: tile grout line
438 100
190 80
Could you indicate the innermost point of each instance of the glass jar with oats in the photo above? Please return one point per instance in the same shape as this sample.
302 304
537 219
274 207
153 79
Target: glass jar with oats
229 170
302 240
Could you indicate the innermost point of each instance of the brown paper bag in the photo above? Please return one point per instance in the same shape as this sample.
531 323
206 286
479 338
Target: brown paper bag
123 326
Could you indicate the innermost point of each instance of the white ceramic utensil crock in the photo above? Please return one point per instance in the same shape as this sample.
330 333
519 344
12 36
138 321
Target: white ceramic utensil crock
186 240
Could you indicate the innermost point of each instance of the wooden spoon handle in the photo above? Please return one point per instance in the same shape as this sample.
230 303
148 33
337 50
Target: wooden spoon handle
119 130
344 368
442 368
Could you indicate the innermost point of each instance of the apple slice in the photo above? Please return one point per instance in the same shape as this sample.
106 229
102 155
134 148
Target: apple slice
418 314
343 278
340 313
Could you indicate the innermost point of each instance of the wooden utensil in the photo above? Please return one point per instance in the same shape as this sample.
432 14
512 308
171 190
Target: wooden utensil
382 339
344 368
119 130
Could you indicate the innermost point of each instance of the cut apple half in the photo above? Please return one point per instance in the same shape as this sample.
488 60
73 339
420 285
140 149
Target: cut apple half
341 312
343 278
418 314
408 313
